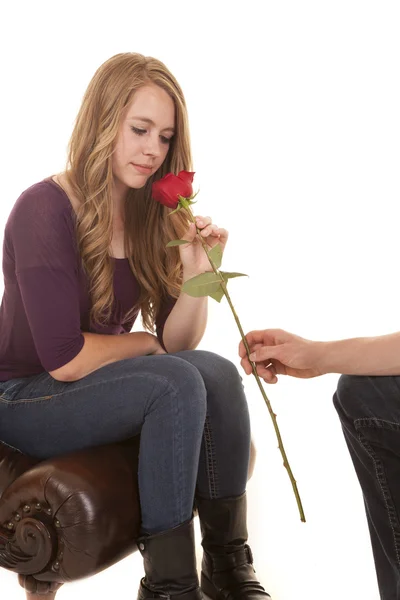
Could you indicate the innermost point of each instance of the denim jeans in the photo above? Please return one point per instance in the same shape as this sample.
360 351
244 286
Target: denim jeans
369 410
189 407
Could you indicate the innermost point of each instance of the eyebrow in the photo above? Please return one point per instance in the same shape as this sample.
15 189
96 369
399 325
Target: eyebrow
146 120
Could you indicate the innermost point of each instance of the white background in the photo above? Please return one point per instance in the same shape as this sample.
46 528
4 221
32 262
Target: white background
294 112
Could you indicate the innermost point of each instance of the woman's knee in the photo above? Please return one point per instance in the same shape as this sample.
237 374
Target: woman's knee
179 382
213 366
221 370
221 377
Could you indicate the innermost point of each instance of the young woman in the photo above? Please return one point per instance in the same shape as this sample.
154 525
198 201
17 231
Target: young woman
83 252
367 401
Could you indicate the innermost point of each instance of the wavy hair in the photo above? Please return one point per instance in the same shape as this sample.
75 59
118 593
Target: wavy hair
89 173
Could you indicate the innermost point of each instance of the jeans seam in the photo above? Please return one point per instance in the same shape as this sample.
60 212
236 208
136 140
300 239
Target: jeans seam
211 463
387 499
375 422
178 447
80 389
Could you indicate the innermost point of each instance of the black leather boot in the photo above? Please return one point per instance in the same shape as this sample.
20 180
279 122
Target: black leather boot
227 571
170 564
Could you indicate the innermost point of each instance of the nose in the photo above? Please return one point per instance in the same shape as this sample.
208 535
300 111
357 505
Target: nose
152 145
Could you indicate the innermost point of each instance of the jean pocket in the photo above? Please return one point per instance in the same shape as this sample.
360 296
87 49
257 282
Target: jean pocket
12 391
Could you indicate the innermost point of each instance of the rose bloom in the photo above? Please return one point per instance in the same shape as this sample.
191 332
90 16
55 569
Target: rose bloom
168 189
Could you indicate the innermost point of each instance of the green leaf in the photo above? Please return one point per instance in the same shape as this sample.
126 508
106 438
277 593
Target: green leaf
202 285
216 255
177 243
218 295
231 275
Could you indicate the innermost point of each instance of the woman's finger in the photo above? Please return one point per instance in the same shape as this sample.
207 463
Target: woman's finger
203 221
207 231
223 235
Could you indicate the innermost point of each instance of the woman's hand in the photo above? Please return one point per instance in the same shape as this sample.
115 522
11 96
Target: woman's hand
156 347
193 256
159 350
279 352
149 343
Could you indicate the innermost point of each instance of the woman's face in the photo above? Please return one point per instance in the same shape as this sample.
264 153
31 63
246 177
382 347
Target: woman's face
144 137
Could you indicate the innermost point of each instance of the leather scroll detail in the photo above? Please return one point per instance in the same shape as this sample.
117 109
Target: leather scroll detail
29 548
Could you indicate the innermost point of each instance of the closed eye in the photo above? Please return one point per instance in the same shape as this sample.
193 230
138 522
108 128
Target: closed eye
164 139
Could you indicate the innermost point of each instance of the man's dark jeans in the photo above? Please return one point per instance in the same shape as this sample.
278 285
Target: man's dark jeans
369 410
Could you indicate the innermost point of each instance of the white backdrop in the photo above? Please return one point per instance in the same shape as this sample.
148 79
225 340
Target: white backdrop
294 112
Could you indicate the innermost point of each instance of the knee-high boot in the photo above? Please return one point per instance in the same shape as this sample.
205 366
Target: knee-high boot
227 570
170 564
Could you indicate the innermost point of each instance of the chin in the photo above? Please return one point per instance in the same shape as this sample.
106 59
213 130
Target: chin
135 182
139 182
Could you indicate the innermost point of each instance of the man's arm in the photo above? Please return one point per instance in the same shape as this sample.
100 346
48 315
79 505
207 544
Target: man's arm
378 355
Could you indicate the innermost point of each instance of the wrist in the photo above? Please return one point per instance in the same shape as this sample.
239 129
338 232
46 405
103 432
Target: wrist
343 356
186 276
190 274
323 357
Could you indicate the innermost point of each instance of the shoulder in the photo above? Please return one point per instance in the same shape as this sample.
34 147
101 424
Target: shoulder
42 201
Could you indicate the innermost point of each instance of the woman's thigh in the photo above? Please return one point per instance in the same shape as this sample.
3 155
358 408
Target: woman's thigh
44 417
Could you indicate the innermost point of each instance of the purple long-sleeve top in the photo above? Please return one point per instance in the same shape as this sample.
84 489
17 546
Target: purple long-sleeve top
45 305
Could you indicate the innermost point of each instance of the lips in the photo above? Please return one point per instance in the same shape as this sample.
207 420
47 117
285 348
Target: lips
144 166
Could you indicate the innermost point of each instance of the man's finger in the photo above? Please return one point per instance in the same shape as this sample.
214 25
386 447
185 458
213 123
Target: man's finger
247 367
264 353
253 337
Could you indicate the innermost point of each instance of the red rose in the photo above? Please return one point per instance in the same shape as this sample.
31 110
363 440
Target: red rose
167 189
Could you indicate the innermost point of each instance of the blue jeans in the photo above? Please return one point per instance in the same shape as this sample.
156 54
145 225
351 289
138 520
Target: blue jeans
369 410
189 407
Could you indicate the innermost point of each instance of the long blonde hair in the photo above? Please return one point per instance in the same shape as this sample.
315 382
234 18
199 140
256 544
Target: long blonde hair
89 173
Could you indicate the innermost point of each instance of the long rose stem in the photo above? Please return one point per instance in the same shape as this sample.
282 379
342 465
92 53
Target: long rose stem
253 365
